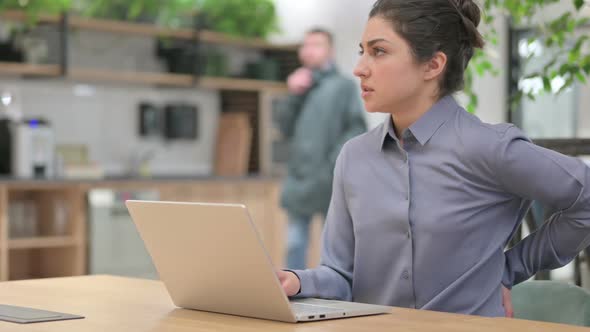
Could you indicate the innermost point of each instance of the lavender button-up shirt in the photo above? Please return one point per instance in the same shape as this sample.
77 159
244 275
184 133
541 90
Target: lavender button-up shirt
424 224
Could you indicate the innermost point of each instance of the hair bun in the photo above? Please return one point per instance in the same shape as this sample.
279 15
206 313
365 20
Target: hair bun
471 16
470 10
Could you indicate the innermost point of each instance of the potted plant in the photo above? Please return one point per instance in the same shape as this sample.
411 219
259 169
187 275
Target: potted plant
34 8
242 18
171 13
16 44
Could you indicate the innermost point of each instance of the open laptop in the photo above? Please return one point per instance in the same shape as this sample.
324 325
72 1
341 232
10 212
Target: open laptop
211 258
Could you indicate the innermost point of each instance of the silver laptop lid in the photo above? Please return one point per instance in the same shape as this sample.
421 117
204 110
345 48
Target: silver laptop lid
211 258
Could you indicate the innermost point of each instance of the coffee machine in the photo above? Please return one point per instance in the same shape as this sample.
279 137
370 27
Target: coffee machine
27 148
5 147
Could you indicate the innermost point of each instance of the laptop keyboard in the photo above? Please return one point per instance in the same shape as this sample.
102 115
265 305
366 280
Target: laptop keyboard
304 309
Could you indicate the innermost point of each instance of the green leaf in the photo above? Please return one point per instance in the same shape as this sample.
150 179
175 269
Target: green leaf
568 83
531 96
532 75
546 84
578 4
564 69
135 9
550 64
474 99
549 41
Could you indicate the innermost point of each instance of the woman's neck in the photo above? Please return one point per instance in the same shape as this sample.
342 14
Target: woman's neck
409 112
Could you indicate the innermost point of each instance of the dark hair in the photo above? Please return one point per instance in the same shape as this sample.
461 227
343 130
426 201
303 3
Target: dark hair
429 26
324 32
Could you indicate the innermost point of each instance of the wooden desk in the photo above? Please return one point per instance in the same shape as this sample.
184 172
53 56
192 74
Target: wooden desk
114 304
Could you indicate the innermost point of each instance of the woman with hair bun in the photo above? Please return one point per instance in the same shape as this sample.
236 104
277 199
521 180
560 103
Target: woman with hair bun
423 205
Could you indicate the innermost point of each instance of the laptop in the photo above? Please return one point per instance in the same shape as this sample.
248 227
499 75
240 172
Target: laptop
211 258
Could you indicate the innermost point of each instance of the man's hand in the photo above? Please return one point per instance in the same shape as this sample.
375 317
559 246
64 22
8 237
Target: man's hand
290 282
507 302
300 81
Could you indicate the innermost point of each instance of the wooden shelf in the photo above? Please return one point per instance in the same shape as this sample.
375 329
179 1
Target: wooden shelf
151 30
240 84
42 242
178 80
166 79
18 69
103 75
20 16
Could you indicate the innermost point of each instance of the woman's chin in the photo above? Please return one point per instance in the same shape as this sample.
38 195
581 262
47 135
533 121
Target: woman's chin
371 108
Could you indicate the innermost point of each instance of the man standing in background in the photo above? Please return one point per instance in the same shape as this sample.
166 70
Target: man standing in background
322 112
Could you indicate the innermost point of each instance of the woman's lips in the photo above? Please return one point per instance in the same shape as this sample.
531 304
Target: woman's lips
366 91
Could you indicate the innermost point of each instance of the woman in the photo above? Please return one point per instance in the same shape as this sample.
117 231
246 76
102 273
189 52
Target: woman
423 206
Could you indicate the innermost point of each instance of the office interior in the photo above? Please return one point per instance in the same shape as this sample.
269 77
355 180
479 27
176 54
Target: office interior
98 110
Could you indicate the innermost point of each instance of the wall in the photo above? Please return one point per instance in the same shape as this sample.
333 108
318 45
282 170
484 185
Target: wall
104 116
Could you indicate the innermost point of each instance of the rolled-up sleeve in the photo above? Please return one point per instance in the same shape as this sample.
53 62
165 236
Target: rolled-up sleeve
333 278
557 181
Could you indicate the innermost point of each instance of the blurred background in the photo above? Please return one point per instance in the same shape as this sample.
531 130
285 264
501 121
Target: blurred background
104 101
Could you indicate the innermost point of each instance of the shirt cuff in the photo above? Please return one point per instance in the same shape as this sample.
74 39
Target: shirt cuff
306 285
508 275
298 277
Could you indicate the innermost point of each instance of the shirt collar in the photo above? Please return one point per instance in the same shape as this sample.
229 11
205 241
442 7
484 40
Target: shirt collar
427 125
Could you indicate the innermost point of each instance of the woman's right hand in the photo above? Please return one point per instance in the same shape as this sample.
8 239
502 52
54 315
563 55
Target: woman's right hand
290 282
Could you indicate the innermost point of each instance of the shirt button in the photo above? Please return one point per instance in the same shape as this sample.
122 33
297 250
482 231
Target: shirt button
406 275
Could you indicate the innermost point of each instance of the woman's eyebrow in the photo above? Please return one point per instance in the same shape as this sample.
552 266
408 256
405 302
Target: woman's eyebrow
375 41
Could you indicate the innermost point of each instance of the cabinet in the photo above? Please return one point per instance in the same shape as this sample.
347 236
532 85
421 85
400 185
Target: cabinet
42 232
58 243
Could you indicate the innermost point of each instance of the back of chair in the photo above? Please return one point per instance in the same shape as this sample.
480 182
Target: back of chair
552 301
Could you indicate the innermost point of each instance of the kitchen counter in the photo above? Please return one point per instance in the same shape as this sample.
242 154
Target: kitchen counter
19 258
118 181
9 180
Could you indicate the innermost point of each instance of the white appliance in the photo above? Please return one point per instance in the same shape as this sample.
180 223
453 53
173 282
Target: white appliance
115 247
33 149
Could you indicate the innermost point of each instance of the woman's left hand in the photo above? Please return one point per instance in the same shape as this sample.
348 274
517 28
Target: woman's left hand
507 302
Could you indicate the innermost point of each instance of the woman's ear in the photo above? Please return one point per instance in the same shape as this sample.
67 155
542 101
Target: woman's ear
435 67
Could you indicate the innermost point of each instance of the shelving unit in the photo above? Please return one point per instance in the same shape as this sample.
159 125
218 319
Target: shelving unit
102 75
19 16
175 80
122 27
285 55
42 242
4 234
220 38
147 78
222 83
148 30
49 254
25 69
58 245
